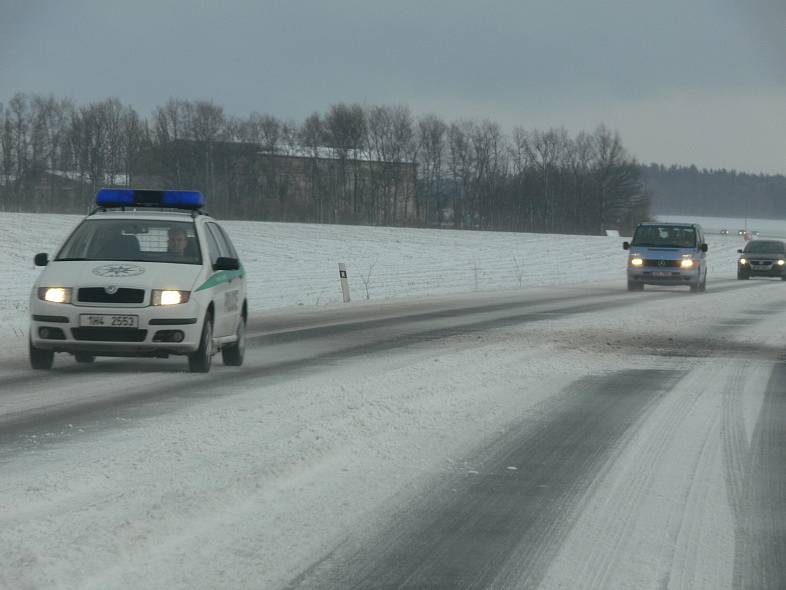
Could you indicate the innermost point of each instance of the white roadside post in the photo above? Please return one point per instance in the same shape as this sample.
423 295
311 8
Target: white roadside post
342 273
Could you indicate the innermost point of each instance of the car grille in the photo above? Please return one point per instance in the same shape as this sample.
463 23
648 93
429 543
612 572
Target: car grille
662 263
95 334
99 295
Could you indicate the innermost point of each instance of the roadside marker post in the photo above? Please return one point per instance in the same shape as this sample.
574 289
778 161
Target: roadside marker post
342 274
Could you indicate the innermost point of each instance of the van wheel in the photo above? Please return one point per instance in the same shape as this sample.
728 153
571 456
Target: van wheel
40 359
234 354
635 286
741 276
84 357
199 360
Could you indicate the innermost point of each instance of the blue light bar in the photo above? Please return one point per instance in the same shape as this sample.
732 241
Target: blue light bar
121 197
111 197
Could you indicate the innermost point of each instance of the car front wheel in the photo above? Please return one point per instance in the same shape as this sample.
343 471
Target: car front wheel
40 359
199 360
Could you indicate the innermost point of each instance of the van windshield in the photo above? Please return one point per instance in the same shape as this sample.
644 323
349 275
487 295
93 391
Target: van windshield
665 236
138 240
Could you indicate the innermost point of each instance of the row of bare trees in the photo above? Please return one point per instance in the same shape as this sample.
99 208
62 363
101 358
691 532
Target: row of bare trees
349 164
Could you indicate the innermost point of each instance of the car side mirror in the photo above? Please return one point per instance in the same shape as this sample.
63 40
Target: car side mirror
739 251
226 263
704 247
41 259
626 245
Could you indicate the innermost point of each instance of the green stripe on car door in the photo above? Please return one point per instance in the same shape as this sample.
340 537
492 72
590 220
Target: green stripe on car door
219 277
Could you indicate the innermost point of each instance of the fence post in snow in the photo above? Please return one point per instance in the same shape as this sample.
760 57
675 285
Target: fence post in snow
342 273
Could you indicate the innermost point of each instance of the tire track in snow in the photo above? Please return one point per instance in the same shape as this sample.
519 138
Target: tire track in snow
501 525
760 555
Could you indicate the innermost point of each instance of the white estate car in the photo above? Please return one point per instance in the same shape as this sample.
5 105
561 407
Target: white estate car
147 273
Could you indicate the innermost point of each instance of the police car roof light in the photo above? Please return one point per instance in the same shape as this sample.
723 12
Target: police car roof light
121 197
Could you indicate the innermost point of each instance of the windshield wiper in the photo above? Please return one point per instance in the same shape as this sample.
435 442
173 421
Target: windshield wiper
69 259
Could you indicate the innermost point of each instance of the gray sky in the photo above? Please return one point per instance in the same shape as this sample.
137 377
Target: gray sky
684 81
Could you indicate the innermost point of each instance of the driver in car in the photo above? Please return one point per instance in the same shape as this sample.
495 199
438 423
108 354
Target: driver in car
178 244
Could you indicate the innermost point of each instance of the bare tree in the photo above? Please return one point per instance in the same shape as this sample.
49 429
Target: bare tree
431 133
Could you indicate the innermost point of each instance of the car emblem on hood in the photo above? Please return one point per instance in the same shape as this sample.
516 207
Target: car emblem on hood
118 270
111 289
661 263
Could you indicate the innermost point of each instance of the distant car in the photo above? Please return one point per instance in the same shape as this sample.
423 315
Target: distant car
724 232
756 234
667 254
148 273
762 258
741 232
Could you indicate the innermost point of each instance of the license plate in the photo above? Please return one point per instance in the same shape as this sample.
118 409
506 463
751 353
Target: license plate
109 321
661 274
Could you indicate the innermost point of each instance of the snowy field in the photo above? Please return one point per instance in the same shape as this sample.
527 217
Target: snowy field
292 265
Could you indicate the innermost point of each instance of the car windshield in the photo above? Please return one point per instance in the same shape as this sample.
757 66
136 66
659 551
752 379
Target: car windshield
133 240
665 236
765 246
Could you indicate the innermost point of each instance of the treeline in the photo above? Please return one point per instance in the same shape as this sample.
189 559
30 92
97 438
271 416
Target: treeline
349 164
715 193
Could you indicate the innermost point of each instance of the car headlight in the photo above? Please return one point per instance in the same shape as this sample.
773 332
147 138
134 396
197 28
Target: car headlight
743 261
169 297
781 262
687 263
636 261
55 294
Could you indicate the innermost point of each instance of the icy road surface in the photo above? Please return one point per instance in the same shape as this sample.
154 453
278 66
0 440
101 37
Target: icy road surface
577 436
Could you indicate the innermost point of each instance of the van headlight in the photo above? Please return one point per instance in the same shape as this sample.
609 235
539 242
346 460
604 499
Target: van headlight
169 297
781 262
636 261
687 263
55 294
743 261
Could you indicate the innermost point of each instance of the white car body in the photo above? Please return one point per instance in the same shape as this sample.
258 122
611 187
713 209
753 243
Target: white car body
107 316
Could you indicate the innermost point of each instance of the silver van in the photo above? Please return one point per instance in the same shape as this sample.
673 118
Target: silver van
667 254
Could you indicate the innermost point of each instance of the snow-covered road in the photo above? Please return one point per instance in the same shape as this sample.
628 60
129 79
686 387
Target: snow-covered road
577 436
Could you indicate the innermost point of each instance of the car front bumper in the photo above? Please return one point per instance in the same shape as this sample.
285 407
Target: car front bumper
772 270
160 331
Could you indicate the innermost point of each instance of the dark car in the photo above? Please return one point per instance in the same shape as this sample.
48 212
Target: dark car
762 258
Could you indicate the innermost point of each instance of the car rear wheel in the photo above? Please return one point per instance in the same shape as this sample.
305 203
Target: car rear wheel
40 359
635 286
199 360
234 354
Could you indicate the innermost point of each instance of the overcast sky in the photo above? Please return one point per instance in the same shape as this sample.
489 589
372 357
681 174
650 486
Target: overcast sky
683 81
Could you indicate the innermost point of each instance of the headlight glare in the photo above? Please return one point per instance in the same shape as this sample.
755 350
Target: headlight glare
687 263
169 296
636 261
781 262
743 261
55 294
